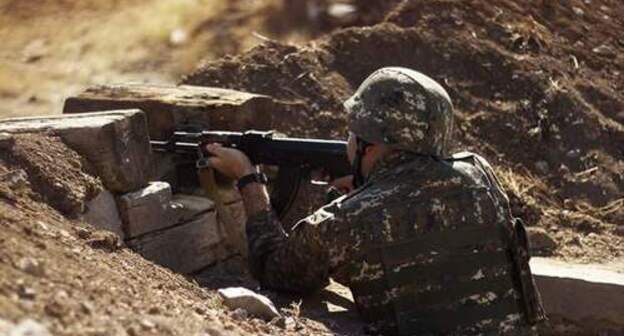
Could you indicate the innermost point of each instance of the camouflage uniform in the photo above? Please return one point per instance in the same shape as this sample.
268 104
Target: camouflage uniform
427 246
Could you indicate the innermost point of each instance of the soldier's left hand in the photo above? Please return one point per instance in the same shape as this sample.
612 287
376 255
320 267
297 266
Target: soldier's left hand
344 184
230 162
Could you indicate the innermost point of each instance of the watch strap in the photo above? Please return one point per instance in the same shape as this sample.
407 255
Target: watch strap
253 177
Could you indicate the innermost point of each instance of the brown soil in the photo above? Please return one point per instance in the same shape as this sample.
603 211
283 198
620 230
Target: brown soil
537 91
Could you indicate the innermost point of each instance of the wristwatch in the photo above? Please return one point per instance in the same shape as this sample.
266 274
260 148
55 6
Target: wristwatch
253 177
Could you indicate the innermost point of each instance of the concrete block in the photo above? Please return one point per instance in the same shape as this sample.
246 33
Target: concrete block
187 207
169 106
234 219
101 212
588 296
116 143
146 210
184 248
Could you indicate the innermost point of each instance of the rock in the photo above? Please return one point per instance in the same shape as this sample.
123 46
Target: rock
604 50
31 266
186 247
28 327
27 293
170 106
240 314
587 295
83 233
105 240
115 143
341 10
56 308
254 303
619 230
540 239
542 167
578 11
6 140
16 179
35 51
284 322
147 323
102 213
178 37
146 210
87 307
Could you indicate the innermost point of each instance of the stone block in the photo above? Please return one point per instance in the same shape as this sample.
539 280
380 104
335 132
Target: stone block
234 218
587 296
101 212
187 207
184 248
116 143
230 210
170 106
146 210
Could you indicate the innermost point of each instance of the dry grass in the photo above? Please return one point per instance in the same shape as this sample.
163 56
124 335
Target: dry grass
526 186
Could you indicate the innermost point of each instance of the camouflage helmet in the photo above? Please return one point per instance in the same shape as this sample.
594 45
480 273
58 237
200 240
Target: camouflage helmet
404 109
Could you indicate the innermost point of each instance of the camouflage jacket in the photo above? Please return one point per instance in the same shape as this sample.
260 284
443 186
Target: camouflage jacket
426 246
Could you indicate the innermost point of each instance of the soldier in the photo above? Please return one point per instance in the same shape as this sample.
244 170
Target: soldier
426 242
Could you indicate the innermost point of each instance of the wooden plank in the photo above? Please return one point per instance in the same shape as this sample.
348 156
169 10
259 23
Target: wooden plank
116 143
185 248
170 106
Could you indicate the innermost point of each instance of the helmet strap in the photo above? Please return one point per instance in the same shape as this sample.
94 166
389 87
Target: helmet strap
358 177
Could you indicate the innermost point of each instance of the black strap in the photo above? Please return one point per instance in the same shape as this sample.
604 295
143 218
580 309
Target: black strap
253 177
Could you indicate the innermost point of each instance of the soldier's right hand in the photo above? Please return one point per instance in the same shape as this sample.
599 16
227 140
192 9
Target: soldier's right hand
229 161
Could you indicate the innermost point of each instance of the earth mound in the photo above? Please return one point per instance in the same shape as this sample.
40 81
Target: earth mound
536 90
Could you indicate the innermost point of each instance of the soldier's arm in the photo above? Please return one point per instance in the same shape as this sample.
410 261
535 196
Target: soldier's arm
298 262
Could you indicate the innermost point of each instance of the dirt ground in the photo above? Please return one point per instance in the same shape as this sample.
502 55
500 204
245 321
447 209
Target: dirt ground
537 87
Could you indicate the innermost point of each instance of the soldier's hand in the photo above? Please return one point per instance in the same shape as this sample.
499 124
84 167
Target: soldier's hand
344 184
229 161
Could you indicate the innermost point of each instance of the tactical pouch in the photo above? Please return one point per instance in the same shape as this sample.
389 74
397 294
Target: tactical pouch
531 301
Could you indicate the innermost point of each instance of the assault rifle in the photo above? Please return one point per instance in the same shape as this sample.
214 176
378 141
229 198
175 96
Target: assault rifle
296 158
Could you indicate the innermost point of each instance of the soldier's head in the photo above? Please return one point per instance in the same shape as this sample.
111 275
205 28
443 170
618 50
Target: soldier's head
399 109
